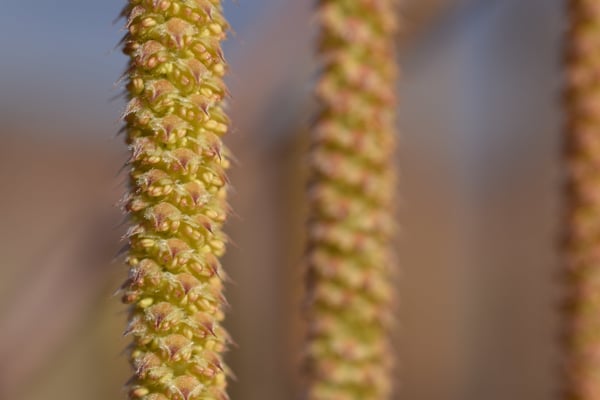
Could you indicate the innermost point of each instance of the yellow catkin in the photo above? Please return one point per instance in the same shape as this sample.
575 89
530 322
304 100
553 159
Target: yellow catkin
583 204
177 198
351 194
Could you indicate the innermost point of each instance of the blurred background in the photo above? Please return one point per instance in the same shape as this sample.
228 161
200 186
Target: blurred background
480 152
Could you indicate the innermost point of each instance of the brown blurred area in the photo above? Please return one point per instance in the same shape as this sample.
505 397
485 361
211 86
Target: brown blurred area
480 201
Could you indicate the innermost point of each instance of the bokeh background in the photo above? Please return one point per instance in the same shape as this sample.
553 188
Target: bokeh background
480 126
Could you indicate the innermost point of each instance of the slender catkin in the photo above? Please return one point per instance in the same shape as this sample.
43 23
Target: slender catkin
177 201
351 195
582 102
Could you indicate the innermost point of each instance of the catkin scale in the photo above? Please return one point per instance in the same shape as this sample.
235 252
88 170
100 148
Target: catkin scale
351 194
175 121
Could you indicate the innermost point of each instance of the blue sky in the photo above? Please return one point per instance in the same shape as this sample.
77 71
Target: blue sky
65 49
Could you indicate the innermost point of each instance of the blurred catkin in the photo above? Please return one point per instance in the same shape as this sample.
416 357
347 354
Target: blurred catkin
177 202
582 102
351 195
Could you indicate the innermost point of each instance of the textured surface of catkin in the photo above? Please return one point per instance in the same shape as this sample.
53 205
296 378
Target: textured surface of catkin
177 198
582 101
351 194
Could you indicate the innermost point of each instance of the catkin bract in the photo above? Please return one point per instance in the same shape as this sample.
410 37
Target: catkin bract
177 199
